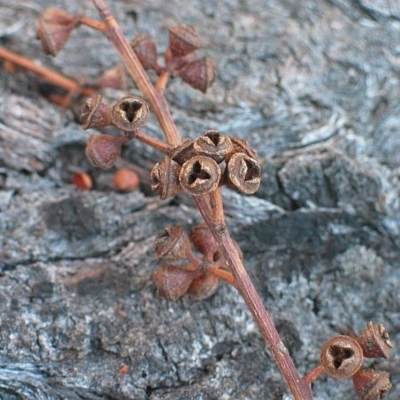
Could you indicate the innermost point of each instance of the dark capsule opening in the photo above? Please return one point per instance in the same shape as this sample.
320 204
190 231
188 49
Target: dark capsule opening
340 354
130 109
198 173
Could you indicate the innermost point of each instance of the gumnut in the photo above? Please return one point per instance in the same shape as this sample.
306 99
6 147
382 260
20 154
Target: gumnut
199 74
96 113
146 51
165 178
173 282
203 286
103 150
202 238
54 29
172 244
341 357
130 113
375 341
371 384
114 77
183 39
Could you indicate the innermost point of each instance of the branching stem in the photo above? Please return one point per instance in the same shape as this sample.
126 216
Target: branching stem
70 85
211 208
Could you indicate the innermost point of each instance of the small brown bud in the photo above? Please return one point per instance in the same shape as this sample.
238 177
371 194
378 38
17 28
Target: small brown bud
146 51
82 180
375 341
204 241
371 384
183 152
341 357
130 113
183 39
203 286
173 244
103 150
243 173
173 282
165 178
214 145
199 74
54 29
126 180
114 77
96 113
199 175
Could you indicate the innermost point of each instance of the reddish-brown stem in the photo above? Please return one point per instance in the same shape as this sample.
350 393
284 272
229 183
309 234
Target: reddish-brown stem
151 141
223 275
132 63
314 374
216 223
50 76
211 208
193 259
218 272
92 23
162 81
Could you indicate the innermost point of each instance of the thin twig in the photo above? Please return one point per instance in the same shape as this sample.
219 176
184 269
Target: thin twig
216 223
314 374
151 141
162 81
50 76
92 23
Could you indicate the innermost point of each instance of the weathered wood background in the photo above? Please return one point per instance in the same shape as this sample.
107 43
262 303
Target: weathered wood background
314 86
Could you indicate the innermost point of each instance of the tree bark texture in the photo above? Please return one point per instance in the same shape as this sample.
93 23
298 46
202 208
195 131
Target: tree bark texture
313 85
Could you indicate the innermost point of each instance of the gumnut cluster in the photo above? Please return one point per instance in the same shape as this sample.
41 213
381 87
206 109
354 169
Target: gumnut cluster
54 29
128 114
183 271
180 58
200 166
343 356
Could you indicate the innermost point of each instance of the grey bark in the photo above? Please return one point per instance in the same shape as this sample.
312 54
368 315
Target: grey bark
313 86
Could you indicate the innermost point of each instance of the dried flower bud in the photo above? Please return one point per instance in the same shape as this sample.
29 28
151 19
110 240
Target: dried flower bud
243 173
130 113
202 238
103 150
199 74
375 341
341 357
183 39
203 286
183 152
126 180
96 113
82 180
146 51
214 145
165 178
371 384
199 175
114 77
173 282
173 244
54 29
